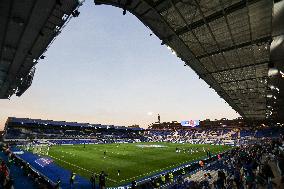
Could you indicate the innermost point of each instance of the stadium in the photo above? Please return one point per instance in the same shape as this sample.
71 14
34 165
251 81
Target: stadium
235 46
50 149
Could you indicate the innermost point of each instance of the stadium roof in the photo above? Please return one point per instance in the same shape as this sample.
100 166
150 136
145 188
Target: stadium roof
27 28
226 42
28 121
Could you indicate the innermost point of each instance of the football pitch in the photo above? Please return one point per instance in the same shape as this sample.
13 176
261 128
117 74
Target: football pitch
134 161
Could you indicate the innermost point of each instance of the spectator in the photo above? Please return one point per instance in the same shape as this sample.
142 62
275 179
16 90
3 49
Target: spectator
72 179
93 181
102 180
220 182
268 174
280 165
57 185
133 184
171 177
163 179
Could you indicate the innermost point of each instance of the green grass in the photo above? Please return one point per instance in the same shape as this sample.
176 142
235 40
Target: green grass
133 162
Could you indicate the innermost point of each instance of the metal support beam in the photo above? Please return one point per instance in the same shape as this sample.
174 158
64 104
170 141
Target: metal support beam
154 5
266 39
244 91
239 80
5 27
217 15
12 75
213 37
235 68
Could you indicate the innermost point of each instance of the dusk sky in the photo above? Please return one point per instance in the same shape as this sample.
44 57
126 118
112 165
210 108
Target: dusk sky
106 68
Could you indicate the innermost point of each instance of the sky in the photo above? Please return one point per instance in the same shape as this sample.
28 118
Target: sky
106 68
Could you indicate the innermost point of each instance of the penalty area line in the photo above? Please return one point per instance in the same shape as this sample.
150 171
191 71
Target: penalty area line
80 167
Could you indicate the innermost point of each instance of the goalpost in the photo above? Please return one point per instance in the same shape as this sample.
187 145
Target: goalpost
41 149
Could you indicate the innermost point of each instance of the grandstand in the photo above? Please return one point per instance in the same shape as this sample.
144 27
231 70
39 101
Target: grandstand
25 129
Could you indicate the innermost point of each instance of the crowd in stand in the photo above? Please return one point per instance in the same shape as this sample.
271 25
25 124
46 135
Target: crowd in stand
258 166
220 136
6 180
208 136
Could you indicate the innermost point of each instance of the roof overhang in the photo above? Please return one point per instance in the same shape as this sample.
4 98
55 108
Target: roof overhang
227 43
27 29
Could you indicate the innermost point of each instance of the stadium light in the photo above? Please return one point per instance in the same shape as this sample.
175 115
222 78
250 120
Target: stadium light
81 2
275 97
75 13
272 87
282 74
272 71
